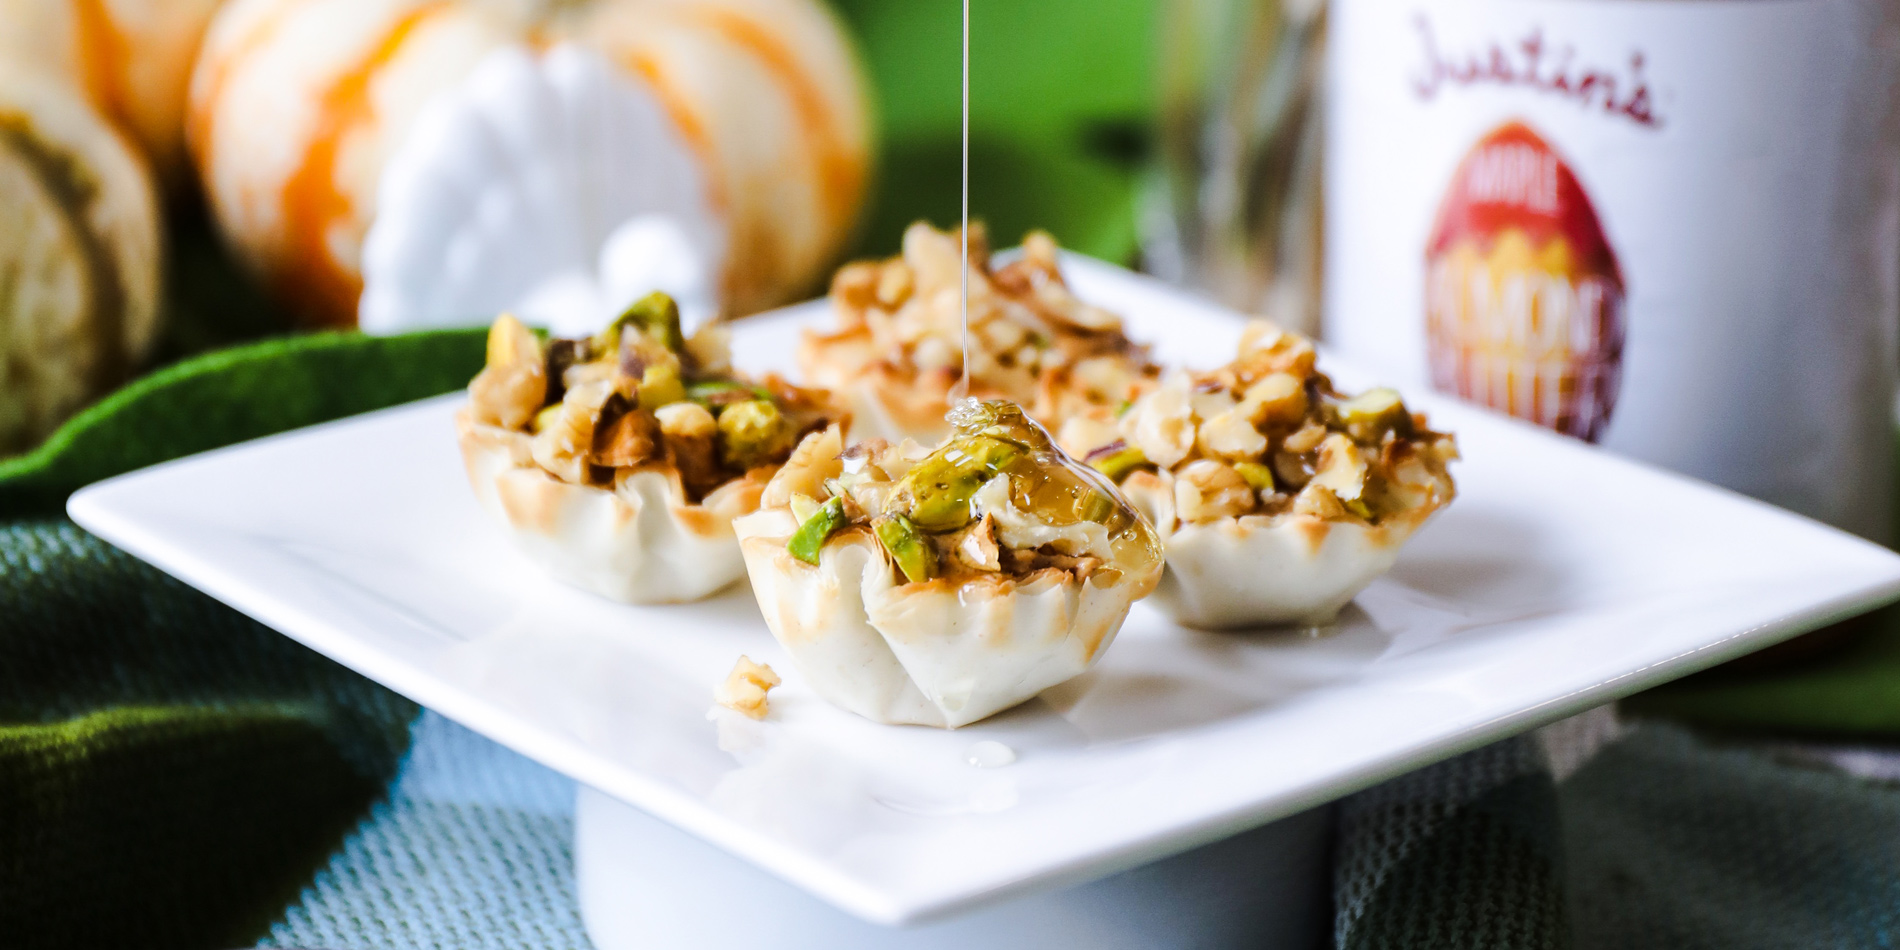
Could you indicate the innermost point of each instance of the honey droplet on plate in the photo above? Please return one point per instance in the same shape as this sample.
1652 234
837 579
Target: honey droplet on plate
989 754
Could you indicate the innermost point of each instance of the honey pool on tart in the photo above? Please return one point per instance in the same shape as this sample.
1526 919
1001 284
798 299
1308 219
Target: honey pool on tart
898 348
939 587
619 461
1278 498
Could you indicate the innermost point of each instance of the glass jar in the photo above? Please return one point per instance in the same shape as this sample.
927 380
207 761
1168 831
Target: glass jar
1235 208
1668 226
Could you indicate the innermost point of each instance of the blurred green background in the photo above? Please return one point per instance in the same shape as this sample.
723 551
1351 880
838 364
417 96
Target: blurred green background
1061 94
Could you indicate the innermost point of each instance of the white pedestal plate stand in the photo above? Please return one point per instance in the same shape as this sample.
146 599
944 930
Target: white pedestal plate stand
645 885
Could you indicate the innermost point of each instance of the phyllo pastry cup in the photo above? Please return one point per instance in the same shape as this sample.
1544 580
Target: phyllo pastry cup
899 345
941 587
618 462
1277 497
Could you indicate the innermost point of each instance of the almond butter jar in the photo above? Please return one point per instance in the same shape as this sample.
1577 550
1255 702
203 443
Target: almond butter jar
1667 226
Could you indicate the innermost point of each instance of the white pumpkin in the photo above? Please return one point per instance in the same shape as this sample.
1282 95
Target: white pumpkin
552 187
79 255
299 106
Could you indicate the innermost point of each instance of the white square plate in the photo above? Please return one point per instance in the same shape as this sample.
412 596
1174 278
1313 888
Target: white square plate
1561 578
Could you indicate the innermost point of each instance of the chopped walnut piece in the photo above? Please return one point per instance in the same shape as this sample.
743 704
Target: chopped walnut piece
745 688
855 286
936 256
690 435
1210 400
936 353
894 284
977 547
1162 425
899 459
1206 489
711 348
1081 435
511 387
1342 467
1305 440
1278 399
687 420
1318 501
1229 435
1083 566
1002 335
628 440
566 438
1265 348
812 462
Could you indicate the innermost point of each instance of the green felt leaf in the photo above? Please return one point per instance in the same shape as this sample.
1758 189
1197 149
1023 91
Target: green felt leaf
233 395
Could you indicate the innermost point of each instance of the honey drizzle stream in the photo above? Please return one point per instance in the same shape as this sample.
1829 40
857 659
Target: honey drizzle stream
962 390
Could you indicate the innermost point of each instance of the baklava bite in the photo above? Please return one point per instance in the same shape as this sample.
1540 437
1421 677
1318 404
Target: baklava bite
899 345
939 587
619 461
1278 498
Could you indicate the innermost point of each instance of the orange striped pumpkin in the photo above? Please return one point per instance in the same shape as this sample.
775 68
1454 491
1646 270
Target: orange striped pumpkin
296 106
132 58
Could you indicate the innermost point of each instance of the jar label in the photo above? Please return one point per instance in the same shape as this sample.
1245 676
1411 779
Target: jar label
1523 295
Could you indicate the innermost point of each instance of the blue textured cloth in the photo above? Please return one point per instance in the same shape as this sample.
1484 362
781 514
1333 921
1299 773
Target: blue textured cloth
472 851
1663 840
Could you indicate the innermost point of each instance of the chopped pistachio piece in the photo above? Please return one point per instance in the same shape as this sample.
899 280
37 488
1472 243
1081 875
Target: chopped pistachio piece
722 392
906 545
1257 475
1369 415
660 386
1097 507
655 315
1118 464
754 433
941 486
810 537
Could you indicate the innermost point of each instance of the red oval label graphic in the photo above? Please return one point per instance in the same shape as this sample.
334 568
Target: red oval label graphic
1523 294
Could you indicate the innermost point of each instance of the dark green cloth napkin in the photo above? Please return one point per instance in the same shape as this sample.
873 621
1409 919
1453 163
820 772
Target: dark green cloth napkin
170 770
